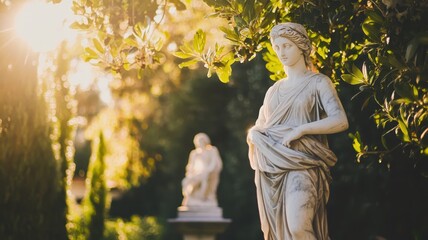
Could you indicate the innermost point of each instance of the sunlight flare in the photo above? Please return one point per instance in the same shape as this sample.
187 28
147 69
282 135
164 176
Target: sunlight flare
44 25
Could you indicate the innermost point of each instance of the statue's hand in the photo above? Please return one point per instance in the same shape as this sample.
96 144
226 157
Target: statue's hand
250 135
294 134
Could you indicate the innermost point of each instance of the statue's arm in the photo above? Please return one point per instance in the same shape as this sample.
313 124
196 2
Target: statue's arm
336 120
212 161
217 160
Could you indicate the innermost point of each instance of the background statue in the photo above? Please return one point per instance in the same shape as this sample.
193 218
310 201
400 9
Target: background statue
202 174
287 146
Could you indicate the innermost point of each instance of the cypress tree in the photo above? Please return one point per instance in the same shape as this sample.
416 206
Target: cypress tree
29 172
94 204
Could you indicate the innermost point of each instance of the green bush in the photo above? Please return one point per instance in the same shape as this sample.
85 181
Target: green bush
136 228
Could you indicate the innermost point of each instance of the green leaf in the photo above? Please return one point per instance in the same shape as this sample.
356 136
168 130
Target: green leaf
394 62
375 17
249 11
269 17
406 90
87 58
131 42
199 41
425 151
371 29
138 29
356 143
217 3
377 118
102 35
401 101
245 32
230 34
224 73
188 63
218 49
158 44
90 52
97 45
182 55
240 22
273 64
351 79
423 116
322 52
210 72
159 57
185 48
404 130
79 26
411 49
357 72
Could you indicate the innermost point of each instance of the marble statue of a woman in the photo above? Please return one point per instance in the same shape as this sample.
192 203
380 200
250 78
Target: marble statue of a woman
202 174
288 148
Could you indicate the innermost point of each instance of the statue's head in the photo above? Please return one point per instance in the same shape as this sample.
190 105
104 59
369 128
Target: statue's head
201 140
297 34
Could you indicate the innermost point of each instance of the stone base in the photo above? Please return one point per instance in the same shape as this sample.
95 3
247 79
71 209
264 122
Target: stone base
200 229
198 237
200 223
198 212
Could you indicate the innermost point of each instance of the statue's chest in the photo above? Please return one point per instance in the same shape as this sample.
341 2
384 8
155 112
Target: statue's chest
301 100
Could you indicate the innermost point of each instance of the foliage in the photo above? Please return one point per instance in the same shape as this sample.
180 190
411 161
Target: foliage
95 202
136 228
89 221
249 22
126 35
125 163
215 60
394 75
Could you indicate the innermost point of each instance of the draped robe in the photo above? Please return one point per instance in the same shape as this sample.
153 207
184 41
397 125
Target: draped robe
283 109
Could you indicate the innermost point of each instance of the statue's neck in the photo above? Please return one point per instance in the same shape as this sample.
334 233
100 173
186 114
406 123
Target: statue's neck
296 71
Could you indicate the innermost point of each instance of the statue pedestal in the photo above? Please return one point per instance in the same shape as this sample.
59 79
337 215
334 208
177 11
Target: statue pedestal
200 223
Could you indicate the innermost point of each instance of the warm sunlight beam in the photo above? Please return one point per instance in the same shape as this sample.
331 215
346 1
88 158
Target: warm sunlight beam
84 75
44 25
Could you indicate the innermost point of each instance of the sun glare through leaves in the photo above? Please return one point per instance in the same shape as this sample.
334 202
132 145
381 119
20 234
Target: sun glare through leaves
43 26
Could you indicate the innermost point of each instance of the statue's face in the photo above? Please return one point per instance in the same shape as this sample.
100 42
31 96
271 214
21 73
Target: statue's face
287 51
200 141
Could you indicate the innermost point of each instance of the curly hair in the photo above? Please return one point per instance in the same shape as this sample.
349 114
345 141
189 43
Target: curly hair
297 34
